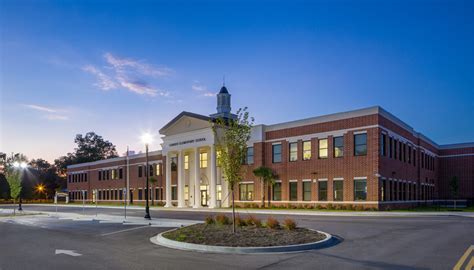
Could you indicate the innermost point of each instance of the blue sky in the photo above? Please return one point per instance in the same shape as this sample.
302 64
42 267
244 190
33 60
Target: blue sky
120 68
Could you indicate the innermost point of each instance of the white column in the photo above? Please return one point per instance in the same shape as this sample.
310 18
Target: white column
212 188
197 179
168 180
181 179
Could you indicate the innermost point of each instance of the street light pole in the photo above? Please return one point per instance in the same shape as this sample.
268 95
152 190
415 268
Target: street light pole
147 209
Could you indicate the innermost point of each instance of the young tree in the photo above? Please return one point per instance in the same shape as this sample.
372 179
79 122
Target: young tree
231 143
267 178
14 181
454 186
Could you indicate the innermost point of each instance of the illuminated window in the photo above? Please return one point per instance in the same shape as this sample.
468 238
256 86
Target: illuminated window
338 146
219 192
186 192
186 162
323 148
114 174
246 192
249 156
360 190
307 191
203 160
307 150
158 169
293 151
360 144
338 187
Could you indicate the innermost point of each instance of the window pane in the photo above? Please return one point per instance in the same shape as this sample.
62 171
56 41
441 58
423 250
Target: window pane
323 190
307 150
249 155
276 149
338 190
360 144
277 192
186 162
293 191
360 190
323 148
338 146
307 191
293 151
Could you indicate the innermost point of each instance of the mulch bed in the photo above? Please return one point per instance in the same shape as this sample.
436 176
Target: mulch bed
246 236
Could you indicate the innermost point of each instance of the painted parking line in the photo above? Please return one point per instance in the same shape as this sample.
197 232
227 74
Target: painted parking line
125 230
463 259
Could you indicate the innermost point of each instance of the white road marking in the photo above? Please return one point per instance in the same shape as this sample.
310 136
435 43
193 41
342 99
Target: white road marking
67 252
126 230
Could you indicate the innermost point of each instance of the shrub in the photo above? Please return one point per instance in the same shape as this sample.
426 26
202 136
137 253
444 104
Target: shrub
209 220
253 221
359 208
319 207
222 219
240 221
272 223
350 207
289 224
330 206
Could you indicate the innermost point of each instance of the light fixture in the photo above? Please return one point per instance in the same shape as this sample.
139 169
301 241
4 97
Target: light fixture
147 138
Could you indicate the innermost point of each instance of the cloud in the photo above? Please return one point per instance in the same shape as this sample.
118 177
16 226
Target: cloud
51 114
202 90
128 74
104 82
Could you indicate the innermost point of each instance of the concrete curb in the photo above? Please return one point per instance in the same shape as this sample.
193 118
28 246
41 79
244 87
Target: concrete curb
162 241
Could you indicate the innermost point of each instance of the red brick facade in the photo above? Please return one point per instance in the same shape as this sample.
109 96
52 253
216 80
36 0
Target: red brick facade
410 169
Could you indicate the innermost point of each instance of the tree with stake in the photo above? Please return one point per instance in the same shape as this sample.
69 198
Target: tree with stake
454 186
267 179
14 181
232 135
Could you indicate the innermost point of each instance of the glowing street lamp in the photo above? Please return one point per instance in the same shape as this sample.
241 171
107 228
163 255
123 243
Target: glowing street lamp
20 165
147 138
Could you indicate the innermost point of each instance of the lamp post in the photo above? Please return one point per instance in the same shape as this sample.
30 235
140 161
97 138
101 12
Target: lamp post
20 165
147 138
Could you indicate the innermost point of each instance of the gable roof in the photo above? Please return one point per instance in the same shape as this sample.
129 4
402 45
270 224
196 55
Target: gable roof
181 115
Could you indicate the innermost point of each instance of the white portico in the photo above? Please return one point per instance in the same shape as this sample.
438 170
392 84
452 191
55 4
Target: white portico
191 158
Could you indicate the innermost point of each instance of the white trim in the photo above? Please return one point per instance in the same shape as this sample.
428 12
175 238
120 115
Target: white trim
306 180
360 178
275 143
293 180
321 135
360 132
277 181
322 179
247 182
458 155
338 179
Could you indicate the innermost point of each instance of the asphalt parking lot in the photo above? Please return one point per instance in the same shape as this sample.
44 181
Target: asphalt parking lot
31 242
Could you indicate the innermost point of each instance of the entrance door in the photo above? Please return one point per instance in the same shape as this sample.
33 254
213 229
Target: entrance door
203 197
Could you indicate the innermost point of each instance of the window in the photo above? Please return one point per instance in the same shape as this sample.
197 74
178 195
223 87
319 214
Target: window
100 175
409 154
322 190
338 190
404 153
307 191
383 151
390 147
140 194
360 189
246 192
120 194
276 153
108 174
293 191
422 160
219 192
249 156
85 177
277 191
174 193
186 193
114 174
323 148
307 150
293 151
186 162
203 160
158 169
360 144
174 162
395 149
140 171
151 170
338 146
400 151
414 157
121 173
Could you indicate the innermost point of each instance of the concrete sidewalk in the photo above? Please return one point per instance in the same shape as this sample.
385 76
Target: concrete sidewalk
284 211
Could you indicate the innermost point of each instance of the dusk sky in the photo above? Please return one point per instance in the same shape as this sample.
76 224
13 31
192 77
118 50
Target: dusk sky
119 69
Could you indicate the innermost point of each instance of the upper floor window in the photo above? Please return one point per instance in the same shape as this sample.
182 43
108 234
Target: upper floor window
249 156
186 162
276 153
409 154
307 150
151 170
100 175
158 169
390 147
120 173
338 146
360 144
174 162
395 149
203 160
114 174
323 148
140 171
383 150
293 151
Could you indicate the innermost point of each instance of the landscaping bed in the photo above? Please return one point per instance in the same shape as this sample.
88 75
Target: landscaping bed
249 233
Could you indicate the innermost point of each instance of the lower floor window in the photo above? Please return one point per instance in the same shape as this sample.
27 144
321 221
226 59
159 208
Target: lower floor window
140 194
323 190
246 192
186 193
360 189
174 193
219 192
293 191
338 190
277 191
307 191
